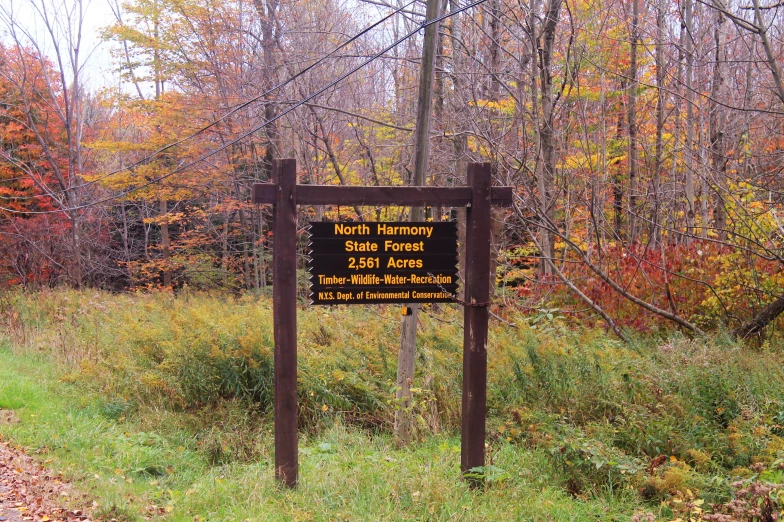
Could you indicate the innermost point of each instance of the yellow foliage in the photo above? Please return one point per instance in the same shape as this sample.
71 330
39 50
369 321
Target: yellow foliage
698 458
504 106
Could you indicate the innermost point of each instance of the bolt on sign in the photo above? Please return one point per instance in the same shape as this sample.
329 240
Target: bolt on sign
353 263
380 263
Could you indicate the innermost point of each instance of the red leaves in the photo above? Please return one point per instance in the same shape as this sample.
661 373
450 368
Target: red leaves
32 250
32 154
674 278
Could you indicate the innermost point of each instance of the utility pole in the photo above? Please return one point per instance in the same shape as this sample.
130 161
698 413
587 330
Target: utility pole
164 206
408 325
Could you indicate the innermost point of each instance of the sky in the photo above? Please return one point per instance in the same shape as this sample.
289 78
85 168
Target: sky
27 16
100 66
99 70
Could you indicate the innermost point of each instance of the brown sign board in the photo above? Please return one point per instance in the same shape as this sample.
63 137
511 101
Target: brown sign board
382 262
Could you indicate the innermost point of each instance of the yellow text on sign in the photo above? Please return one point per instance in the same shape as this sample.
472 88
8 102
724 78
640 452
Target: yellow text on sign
389 246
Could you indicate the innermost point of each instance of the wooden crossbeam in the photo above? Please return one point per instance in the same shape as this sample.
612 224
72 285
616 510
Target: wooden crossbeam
266 194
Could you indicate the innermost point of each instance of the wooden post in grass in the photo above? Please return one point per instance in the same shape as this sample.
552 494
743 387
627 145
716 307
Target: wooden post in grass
476 302
284 312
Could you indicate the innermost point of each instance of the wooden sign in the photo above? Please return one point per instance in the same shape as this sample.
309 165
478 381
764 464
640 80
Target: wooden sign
399 270
363 263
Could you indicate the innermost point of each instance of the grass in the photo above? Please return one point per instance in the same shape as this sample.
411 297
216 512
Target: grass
160 407
346 473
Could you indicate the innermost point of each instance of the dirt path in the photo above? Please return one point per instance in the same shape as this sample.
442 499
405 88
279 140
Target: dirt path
30 492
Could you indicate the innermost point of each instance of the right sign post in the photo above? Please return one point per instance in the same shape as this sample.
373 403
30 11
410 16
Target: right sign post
475 317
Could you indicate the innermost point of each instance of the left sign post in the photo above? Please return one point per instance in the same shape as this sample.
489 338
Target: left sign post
284 311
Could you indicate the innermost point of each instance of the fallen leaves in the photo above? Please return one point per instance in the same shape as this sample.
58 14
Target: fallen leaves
30 492
8 417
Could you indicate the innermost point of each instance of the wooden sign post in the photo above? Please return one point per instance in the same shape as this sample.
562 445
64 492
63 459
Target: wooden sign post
479 197
284 317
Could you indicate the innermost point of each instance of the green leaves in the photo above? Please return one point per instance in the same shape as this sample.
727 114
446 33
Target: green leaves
488 474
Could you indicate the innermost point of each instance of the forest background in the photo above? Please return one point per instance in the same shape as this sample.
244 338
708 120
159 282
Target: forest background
643 139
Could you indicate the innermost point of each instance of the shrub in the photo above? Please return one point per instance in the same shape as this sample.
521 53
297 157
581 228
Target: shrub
606 415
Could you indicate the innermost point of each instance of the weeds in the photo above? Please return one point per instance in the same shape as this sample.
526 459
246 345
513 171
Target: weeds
654 419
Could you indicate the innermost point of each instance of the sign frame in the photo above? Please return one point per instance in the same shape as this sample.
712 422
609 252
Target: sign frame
285 194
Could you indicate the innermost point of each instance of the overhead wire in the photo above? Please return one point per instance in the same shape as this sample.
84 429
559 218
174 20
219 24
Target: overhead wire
258 127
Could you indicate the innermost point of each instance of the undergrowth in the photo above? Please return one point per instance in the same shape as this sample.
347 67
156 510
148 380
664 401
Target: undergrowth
675 421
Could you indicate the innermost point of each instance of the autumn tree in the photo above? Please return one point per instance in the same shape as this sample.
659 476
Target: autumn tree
45 111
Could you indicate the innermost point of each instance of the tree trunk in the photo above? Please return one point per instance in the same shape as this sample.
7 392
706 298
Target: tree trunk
126 246
762 319
407 354
632 122
167 278
267 11
772 60
546 181
716 122
460 144
496 227
618 180
674 204
250 237
654 234
76 252
689 155
705 189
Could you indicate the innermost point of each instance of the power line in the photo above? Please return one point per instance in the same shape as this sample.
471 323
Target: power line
244 135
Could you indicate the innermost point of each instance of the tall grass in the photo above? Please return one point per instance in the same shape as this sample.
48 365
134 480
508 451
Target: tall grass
661 416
